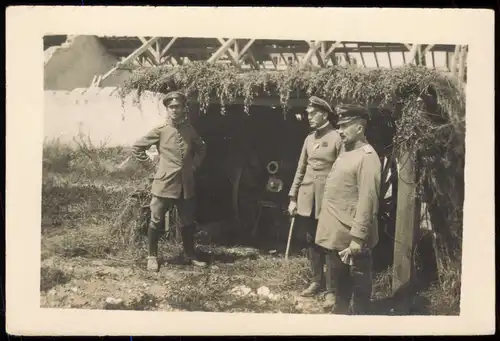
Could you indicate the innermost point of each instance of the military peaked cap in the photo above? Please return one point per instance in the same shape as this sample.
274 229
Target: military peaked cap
320 103
349 112
174 95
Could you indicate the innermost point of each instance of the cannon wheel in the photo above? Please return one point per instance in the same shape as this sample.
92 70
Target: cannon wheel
388 192
387 213
245 196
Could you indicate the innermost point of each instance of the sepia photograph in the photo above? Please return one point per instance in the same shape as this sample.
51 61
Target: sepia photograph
252 175
210 176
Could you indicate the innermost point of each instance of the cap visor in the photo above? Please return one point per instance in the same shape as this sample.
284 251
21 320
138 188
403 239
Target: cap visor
346 120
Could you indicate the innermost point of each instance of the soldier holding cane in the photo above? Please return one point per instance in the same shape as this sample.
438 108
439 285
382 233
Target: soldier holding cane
320 150
347 225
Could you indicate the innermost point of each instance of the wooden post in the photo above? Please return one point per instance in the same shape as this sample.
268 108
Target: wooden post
407 221
461 63
454 61
362 58
413 53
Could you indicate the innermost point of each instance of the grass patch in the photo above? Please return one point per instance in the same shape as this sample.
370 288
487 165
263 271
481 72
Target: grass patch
50 277
444 296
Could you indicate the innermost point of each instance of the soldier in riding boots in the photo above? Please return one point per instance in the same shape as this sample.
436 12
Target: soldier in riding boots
320 150
347 225
181 151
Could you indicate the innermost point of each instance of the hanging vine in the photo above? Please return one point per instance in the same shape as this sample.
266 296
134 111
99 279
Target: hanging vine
437 135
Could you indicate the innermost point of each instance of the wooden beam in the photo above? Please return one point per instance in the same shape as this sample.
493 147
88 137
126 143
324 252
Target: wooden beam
269 49
323 51
422 55
433 60
221 50
362 59
310 53
153 52
319 57
272 60
332 48
131 57
253 61
413 53
333 58
389 57
376 58
284 59
246 47
407 222
408 46
404 57
168 46
236 49
233 57
347 57
454 61
428 48
158 51
461 63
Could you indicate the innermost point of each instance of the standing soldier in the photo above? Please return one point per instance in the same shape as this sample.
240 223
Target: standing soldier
348 226
320 150
181 151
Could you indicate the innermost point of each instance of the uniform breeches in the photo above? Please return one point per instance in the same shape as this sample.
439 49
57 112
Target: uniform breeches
186 209
351 281
160 206
315 252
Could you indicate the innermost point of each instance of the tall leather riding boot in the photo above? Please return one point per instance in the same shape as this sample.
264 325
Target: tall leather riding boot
153 242
361 277
153 249
338 282
317 260
188 233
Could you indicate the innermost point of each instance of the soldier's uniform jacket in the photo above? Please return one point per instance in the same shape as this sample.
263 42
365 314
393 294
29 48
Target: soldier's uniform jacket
351 199
319 152
181 151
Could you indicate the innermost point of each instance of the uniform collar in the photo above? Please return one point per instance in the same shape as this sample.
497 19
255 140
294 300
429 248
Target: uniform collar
177 124
323 126
319 131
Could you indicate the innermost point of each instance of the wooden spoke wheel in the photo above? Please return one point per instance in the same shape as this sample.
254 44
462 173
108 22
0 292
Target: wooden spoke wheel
388 194
383 252
247 190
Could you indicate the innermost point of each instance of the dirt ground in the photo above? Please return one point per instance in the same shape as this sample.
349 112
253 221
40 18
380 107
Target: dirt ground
239 279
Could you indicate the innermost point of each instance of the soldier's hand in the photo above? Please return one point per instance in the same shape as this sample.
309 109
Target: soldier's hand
292 207
356 245
346 256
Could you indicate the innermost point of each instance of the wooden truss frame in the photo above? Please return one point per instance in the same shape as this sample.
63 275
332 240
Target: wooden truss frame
240 52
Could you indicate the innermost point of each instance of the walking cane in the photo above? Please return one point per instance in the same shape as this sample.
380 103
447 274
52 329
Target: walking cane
289 237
